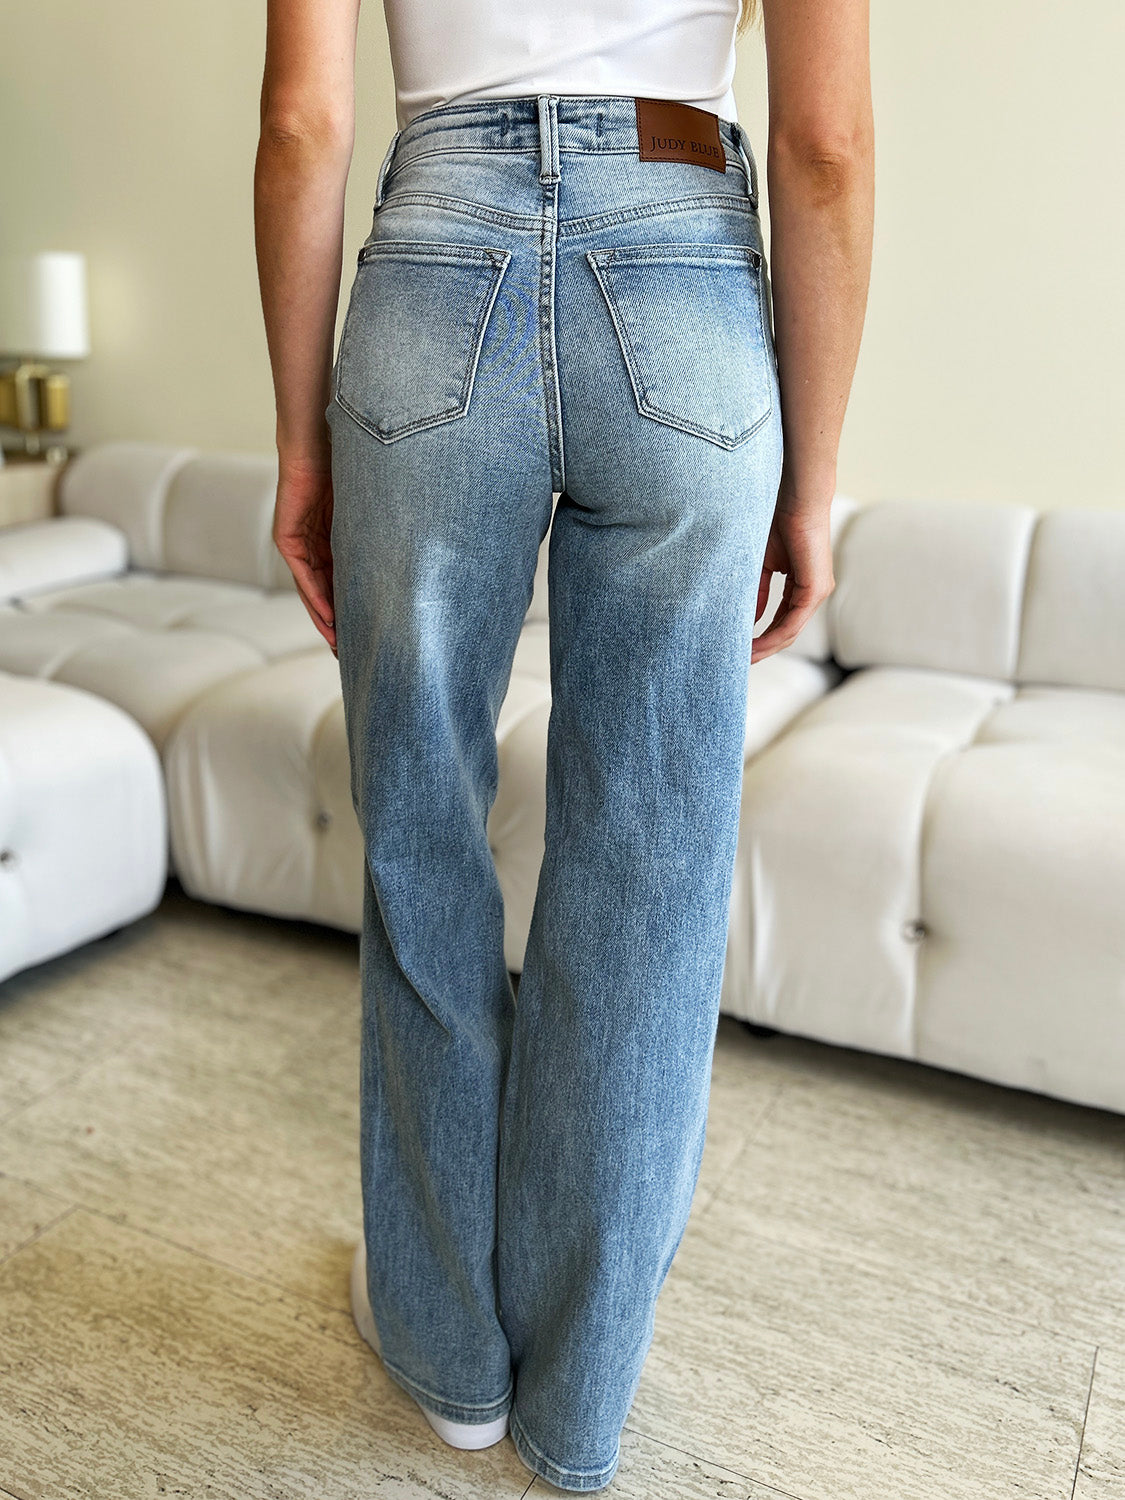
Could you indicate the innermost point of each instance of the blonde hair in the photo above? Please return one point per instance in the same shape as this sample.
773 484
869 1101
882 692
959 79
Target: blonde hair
746 15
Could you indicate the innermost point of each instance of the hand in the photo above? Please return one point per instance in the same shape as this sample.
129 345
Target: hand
302 530
798 546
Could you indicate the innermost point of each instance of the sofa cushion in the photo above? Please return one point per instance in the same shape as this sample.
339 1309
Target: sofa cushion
64 550
218 520
152 601
936 584
125 483
537 609
1022 872
259 794
827 880
155 675
533 654
780 688
38 644
275 622
204 514
151 643
931 865
1074 609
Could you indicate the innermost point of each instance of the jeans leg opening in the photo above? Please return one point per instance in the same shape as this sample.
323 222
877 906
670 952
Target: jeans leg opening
557 1474
452 1411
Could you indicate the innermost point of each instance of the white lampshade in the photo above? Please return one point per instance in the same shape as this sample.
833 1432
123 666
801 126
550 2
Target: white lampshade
43 305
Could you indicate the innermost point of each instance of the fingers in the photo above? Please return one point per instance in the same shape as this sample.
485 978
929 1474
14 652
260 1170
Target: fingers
302 534
313 581
798 605
320 610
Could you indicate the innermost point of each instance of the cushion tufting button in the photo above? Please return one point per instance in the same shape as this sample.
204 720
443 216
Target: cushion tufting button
914 930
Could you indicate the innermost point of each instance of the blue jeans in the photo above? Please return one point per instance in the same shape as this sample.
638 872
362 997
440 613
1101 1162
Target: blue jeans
537 310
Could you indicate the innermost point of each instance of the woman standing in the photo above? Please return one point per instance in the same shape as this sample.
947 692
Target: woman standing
564 292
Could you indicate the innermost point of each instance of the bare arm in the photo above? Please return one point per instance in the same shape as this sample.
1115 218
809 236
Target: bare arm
300 173
820 170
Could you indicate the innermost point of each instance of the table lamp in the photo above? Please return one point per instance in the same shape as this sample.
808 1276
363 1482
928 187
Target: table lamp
42 317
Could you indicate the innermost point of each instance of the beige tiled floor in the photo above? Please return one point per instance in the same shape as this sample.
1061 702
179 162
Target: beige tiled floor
897 1283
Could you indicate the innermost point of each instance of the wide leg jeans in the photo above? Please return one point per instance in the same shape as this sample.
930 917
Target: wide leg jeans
538 312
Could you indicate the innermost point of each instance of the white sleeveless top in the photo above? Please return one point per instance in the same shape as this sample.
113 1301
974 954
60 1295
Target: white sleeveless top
445 51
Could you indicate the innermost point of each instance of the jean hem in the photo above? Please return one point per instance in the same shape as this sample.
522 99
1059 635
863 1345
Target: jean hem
564 1479
452 1411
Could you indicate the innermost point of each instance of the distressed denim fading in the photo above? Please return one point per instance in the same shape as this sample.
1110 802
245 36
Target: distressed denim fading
538 312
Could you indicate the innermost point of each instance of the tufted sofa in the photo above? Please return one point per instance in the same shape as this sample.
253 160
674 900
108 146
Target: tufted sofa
931 857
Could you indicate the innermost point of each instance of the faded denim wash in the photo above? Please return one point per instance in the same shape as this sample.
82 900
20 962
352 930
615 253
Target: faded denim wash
538 311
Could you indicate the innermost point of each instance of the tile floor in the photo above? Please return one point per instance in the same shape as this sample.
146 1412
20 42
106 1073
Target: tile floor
897 1283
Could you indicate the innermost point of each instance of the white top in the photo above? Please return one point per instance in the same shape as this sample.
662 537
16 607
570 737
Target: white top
443 51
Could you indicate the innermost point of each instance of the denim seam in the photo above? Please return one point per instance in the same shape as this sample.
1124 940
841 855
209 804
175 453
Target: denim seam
665 207
530 223
406 155
386 168
678 253
453 1409
414 249
568 228
745 151
588 1478
546 311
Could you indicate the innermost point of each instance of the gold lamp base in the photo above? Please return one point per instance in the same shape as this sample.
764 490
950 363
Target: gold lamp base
35 401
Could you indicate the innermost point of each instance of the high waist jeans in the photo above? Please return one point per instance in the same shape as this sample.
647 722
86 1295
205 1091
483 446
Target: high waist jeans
538 311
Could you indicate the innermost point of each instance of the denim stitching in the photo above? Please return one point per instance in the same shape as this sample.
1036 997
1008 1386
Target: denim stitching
664 207
658 254
530 223
469 254
600 1476
589 223
434 1401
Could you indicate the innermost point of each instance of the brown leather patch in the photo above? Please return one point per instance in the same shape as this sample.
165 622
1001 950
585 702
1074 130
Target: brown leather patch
670 131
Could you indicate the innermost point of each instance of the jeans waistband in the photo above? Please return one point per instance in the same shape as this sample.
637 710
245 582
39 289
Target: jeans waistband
546 125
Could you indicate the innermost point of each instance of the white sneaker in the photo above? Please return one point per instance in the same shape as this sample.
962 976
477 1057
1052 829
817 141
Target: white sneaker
456 1434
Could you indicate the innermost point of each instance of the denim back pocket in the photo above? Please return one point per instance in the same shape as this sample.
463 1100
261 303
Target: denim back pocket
689 322
413 333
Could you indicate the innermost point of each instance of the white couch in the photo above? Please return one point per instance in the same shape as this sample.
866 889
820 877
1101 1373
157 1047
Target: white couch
931 858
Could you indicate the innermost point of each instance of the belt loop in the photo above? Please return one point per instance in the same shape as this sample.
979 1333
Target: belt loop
385 168
742 141
548 137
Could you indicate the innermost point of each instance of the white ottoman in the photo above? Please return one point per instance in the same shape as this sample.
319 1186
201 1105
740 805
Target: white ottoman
83 822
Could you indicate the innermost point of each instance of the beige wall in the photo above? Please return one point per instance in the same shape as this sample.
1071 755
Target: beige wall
992 360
